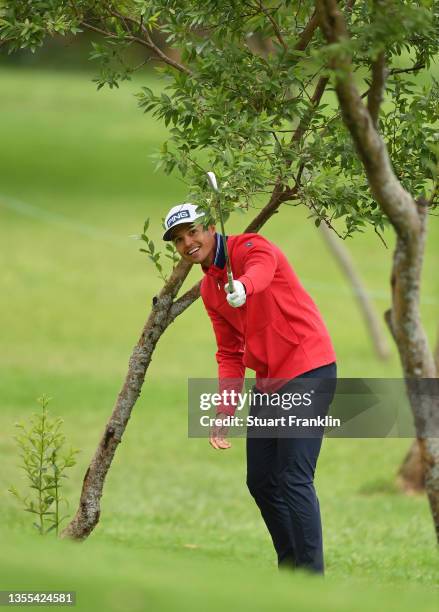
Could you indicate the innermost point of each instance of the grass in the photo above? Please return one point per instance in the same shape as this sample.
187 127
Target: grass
178 528
183 580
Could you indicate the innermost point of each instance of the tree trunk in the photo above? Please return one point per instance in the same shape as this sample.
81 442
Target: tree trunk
367 309
410 477
408 219
417 361
87 515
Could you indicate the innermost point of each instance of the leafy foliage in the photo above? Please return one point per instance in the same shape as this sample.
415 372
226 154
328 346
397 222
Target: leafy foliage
239 97
411 124
154 255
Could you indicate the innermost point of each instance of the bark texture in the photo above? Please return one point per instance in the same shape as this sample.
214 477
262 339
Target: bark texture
408 219
87 515
410 477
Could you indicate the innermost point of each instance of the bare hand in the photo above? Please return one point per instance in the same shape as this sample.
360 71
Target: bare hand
218 432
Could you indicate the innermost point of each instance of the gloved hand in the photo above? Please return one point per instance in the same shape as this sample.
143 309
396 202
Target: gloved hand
238 297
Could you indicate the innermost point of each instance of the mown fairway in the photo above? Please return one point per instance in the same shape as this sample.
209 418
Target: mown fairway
178 528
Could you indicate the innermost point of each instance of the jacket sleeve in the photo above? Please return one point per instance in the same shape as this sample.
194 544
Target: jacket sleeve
229 357
260 263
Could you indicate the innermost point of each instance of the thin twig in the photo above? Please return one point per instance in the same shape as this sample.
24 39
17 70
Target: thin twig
274 24
380 237
327 221
141 41
414 68
151 44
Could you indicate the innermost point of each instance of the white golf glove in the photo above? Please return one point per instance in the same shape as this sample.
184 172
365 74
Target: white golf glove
238 297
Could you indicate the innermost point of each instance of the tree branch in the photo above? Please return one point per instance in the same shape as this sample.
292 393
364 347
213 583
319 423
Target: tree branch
376 90
145 42
414 68
277 197
395 201
315 101
184 302
151 44
274 24
307 33
312 25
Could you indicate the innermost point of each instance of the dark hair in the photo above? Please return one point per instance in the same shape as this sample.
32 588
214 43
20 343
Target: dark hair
191 224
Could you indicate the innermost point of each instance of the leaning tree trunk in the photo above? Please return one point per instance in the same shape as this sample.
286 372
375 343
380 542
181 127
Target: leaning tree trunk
87 515
408 219
366 306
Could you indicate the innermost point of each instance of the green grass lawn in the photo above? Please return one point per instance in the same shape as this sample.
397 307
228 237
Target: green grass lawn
178 528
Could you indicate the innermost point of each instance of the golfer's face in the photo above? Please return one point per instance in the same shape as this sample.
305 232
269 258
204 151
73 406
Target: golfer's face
194 243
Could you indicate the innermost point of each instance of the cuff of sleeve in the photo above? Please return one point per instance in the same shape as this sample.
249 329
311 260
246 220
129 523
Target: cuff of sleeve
246 281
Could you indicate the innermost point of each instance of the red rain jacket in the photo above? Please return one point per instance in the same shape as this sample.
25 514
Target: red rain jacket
278 332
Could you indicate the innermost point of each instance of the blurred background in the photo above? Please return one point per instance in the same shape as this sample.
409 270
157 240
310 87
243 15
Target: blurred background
76 181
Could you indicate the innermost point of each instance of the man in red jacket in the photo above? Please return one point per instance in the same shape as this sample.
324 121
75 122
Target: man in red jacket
271 325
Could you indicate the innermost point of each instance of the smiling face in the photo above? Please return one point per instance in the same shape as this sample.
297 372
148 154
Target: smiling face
195 244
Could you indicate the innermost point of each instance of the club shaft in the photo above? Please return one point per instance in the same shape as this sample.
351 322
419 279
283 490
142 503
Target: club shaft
214 185
226 251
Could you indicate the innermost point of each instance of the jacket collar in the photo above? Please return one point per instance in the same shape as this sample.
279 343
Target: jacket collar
219 262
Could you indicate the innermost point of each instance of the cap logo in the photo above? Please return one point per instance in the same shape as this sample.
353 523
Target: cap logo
183 214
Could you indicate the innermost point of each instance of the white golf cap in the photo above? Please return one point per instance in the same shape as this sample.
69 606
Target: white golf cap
182 213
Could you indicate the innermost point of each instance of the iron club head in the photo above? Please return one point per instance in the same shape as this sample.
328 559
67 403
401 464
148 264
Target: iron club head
212 181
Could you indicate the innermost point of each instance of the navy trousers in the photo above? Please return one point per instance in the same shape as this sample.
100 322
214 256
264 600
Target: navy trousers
280 477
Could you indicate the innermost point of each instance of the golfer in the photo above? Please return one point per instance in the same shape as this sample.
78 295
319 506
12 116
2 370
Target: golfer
271 325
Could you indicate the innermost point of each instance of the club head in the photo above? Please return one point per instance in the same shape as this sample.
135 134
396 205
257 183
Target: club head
212 180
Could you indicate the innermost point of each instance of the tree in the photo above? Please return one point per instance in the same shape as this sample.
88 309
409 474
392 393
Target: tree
405 205
269 126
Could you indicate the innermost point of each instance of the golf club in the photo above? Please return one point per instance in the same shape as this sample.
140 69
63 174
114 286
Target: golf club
214 185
